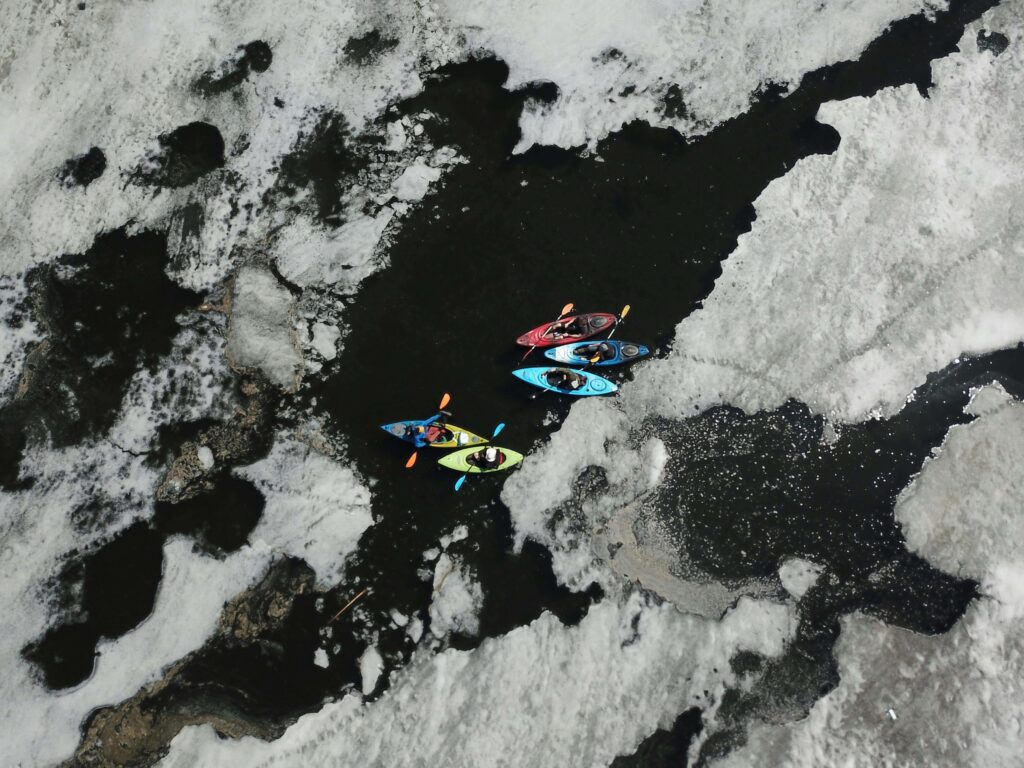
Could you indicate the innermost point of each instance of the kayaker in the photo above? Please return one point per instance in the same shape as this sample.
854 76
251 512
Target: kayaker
488 458
438 432
562 378
603 349
574 327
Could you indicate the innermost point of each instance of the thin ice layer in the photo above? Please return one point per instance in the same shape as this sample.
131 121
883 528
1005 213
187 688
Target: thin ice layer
615 62
316 509
954 699
903 248
542 695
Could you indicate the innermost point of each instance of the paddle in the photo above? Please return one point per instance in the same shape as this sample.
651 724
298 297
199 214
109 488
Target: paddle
497 431
565 311
445 399
622 316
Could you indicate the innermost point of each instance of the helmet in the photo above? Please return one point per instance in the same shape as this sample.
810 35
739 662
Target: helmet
491 453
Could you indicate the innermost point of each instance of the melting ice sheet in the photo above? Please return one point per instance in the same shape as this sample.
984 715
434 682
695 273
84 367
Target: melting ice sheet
954 699
544 693
864 270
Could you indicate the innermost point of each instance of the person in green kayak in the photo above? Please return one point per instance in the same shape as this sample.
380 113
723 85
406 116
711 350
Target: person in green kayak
563 378
486 458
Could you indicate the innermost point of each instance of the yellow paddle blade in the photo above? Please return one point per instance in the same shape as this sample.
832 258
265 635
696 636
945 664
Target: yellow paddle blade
412 460
444 401
566 309
624 312
595 358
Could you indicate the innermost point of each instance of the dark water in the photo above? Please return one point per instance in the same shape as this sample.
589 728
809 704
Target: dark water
498 249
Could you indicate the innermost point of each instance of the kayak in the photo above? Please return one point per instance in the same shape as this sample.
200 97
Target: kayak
578 353
593 324
592 384
456 436
457 460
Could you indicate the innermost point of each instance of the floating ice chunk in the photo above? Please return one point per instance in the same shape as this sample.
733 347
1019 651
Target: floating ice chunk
260 334
309 253
370 666
325 340
545 693
399 618
459 533
317 508
415 630
415 181
457 599
320 658
17 332
798 576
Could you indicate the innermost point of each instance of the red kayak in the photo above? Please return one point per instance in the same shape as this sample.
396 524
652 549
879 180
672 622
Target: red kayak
568 329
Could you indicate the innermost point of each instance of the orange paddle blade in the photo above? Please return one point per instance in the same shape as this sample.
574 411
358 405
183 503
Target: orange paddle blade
411 461
444 401
566 309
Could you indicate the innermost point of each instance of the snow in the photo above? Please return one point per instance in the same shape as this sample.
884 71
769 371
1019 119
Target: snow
903 247
798 576
457 598
205 456
544 694
958 697
370 666
260 333
719 54
316 507
320 658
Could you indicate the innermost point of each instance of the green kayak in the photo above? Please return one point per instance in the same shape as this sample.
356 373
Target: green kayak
459 460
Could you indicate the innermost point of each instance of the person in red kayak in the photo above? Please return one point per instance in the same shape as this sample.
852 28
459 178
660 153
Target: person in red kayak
486 458
573 327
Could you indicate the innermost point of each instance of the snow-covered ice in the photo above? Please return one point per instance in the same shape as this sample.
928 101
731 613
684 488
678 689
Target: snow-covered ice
261 332
316 507
958 697
457 598
544 694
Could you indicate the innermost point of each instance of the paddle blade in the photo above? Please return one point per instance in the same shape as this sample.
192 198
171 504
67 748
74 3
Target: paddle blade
566 309
624 312
460 481
595 359
497 430
412 460
444 401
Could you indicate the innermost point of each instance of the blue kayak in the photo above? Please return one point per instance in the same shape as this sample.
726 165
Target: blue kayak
589 383
582 352
434 432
